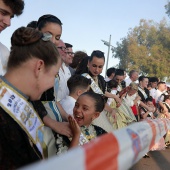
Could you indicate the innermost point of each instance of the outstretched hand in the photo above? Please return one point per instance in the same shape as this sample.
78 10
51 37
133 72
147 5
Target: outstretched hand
75 130
63 128
110 95
74 126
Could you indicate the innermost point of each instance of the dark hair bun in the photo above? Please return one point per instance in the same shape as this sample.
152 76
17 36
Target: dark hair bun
25 36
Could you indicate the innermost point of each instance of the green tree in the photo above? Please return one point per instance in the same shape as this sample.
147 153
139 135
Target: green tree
146 48
167 7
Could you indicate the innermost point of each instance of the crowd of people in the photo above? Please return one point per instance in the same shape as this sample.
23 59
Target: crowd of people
52 99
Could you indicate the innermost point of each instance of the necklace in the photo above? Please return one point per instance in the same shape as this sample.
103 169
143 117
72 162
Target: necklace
89 132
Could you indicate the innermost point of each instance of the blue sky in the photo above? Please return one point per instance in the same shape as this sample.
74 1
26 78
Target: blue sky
86 22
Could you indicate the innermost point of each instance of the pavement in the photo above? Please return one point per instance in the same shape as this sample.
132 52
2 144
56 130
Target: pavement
159 160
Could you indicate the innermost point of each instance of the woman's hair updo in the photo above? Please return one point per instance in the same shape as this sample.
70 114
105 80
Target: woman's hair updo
29 43
48 18
24 36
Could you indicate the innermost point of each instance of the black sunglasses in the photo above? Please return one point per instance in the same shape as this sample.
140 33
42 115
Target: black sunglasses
63 48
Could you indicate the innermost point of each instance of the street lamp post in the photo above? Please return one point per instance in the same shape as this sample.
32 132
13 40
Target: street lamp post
109 45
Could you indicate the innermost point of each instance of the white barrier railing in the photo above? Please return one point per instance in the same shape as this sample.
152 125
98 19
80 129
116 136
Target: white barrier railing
114 151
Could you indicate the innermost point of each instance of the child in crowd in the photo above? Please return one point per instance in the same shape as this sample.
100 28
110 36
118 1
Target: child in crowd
77 85
87 108
133 100
145 113
112 86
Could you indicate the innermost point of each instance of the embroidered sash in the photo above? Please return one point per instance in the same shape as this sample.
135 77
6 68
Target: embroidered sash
150 114
83 139
93 85
23 113
86 136
143 92
167 106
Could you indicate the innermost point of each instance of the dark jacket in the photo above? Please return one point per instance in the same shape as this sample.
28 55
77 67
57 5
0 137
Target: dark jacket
15 148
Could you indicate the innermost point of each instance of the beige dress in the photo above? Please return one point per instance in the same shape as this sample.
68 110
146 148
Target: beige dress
103 122
124 115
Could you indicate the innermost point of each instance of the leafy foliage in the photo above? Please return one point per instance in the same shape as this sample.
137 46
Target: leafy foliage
167 7
146 49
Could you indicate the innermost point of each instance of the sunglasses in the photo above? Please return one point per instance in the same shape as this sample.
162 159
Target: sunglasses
62 48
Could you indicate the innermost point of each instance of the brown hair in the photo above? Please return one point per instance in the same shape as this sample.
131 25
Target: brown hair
77 82
98 100
78 56
16 6
29 43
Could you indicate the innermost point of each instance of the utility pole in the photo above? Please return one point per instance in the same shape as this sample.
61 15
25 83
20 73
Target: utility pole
109 45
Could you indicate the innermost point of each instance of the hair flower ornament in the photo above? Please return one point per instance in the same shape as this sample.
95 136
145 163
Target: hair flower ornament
46 36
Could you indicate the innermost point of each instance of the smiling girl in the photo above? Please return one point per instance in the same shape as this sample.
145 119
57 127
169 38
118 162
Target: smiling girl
87 108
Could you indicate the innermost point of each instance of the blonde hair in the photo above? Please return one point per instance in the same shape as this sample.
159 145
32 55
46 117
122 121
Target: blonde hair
133 86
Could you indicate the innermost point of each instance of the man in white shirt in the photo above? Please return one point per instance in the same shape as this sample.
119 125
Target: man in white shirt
153 82
159 97
64 74
4 54
133 77
7 11
8 8
69 57
77 85
110 74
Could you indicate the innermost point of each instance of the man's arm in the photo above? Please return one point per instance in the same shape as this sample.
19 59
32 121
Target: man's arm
62 128
63 113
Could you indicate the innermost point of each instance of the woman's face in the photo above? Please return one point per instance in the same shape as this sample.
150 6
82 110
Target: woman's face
55 30
154 84
144 82
46 79
119 78
84 110
96 66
